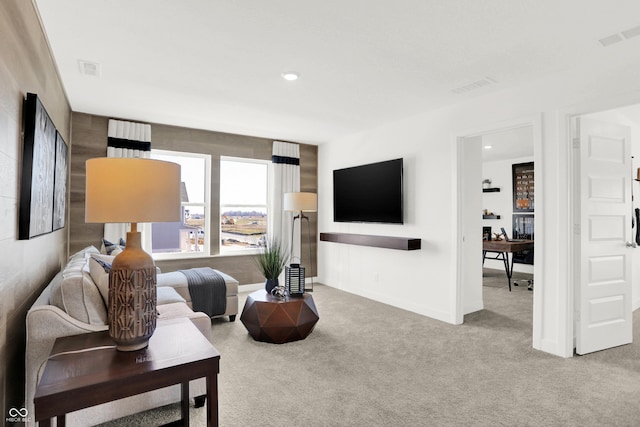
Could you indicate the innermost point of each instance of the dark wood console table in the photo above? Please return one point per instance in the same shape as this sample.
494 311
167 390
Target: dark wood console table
503 248
86 370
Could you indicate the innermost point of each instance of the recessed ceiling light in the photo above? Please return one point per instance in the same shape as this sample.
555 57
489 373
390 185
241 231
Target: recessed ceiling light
488 147
290 75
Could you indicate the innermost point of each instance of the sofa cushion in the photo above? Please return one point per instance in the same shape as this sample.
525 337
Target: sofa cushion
78 295
168 295
173 310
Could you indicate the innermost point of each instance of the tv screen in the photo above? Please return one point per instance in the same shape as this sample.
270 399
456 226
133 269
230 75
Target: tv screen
369 193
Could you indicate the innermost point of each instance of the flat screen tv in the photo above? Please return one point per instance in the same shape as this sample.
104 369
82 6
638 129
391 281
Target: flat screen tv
369 193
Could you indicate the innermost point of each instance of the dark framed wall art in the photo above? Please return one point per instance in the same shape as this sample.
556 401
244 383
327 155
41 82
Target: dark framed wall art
60 184
523 188
39 172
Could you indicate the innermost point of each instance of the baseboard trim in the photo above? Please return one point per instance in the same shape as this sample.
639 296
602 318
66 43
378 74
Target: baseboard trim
415 308
473 307
552 347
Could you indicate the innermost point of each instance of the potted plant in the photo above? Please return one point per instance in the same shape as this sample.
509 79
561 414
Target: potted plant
271 261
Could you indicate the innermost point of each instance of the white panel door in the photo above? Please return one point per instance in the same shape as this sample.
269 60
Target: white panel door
604 293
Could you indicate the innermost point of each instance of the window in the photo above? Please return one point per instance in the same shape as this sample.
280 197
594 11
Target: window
190 235
243 204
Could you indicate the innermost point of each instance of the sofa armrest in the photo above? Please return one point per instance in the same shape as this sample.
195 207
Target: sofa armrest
203 323
44 324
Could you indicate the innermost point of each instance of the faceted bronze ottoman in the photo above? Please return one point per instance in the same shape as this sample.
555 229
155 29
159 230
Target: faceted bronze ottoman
276 320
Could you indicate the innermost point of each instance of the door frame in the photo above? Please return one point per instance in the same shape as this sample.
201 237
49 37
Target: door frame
536 122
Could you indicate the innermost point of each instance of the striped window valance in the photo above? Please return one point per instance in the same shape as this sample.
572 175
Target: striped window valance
285 153
285 160
129 137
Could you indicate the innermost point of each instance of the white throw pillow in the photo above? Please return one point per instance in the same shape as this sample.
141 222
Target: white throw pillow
99 266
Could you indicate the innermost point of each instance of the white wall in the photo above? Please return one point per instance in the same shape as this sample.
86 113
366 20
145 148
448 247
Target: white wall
471 224
425 281
501 203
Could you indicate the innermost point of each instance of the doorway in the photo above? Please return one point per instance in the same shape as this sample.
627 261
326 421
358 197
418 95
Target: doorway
472 202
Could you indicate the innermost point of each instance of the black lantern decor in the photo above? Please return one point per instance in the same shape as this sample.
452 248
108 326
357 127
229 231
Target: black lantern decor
294 279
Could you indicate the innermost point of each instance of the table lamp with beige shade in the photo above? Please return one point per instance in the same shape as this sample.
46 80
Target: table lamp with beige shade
132 190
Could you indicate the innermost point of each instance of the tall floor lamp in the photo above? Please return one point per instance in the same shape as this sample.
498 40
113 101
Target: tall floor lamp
130 191
302 202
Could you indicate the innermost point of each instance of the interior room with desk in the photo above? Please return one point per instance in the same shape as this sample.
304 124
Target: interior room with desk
508 200
501 178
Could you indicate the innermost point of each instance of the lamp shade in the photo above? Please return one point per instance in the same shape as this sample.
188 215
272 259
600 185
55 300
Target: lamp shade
301 202
132 190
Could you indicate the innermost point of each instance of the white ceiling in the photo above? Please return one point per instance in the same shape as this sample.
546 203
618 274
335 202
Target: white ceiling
216 64
507 144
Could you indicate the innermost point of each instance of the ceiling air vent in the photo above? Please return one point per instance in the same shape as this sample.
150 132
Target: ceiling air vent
631 32
608 41
467 87
618 37
89 68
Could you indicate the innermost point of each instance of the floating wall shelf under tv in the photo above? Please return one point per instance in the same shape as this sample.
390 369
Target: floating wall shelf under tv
401 243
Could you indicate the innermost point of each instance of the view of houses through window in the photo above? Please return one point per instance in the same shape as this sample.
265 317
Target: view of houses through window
243 204
243 207
189 235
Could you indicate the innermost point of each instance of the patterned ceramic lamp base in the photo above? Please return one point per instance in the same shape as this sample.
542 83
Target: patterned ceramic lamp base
132 298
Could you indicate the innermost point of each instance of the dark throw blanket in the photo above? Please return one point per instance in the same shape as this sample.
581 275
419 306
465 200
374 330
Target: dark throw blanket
208 290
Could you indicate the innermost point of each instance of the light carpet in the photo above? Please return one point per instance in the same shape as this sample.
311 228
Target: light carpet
370 364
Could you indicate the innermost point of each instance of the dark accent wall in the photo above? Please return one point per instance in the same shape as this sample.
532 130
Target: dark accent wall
89 135
26 266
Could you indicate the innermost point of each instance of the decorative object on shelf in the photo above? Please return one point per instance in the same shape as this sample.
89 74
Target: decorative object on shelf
294 279
486 184
271 261
523 187
123 190
301 202
486 214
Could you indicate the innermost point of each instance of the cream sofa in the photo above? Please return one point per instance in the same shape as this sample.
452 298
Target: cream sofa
73 303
